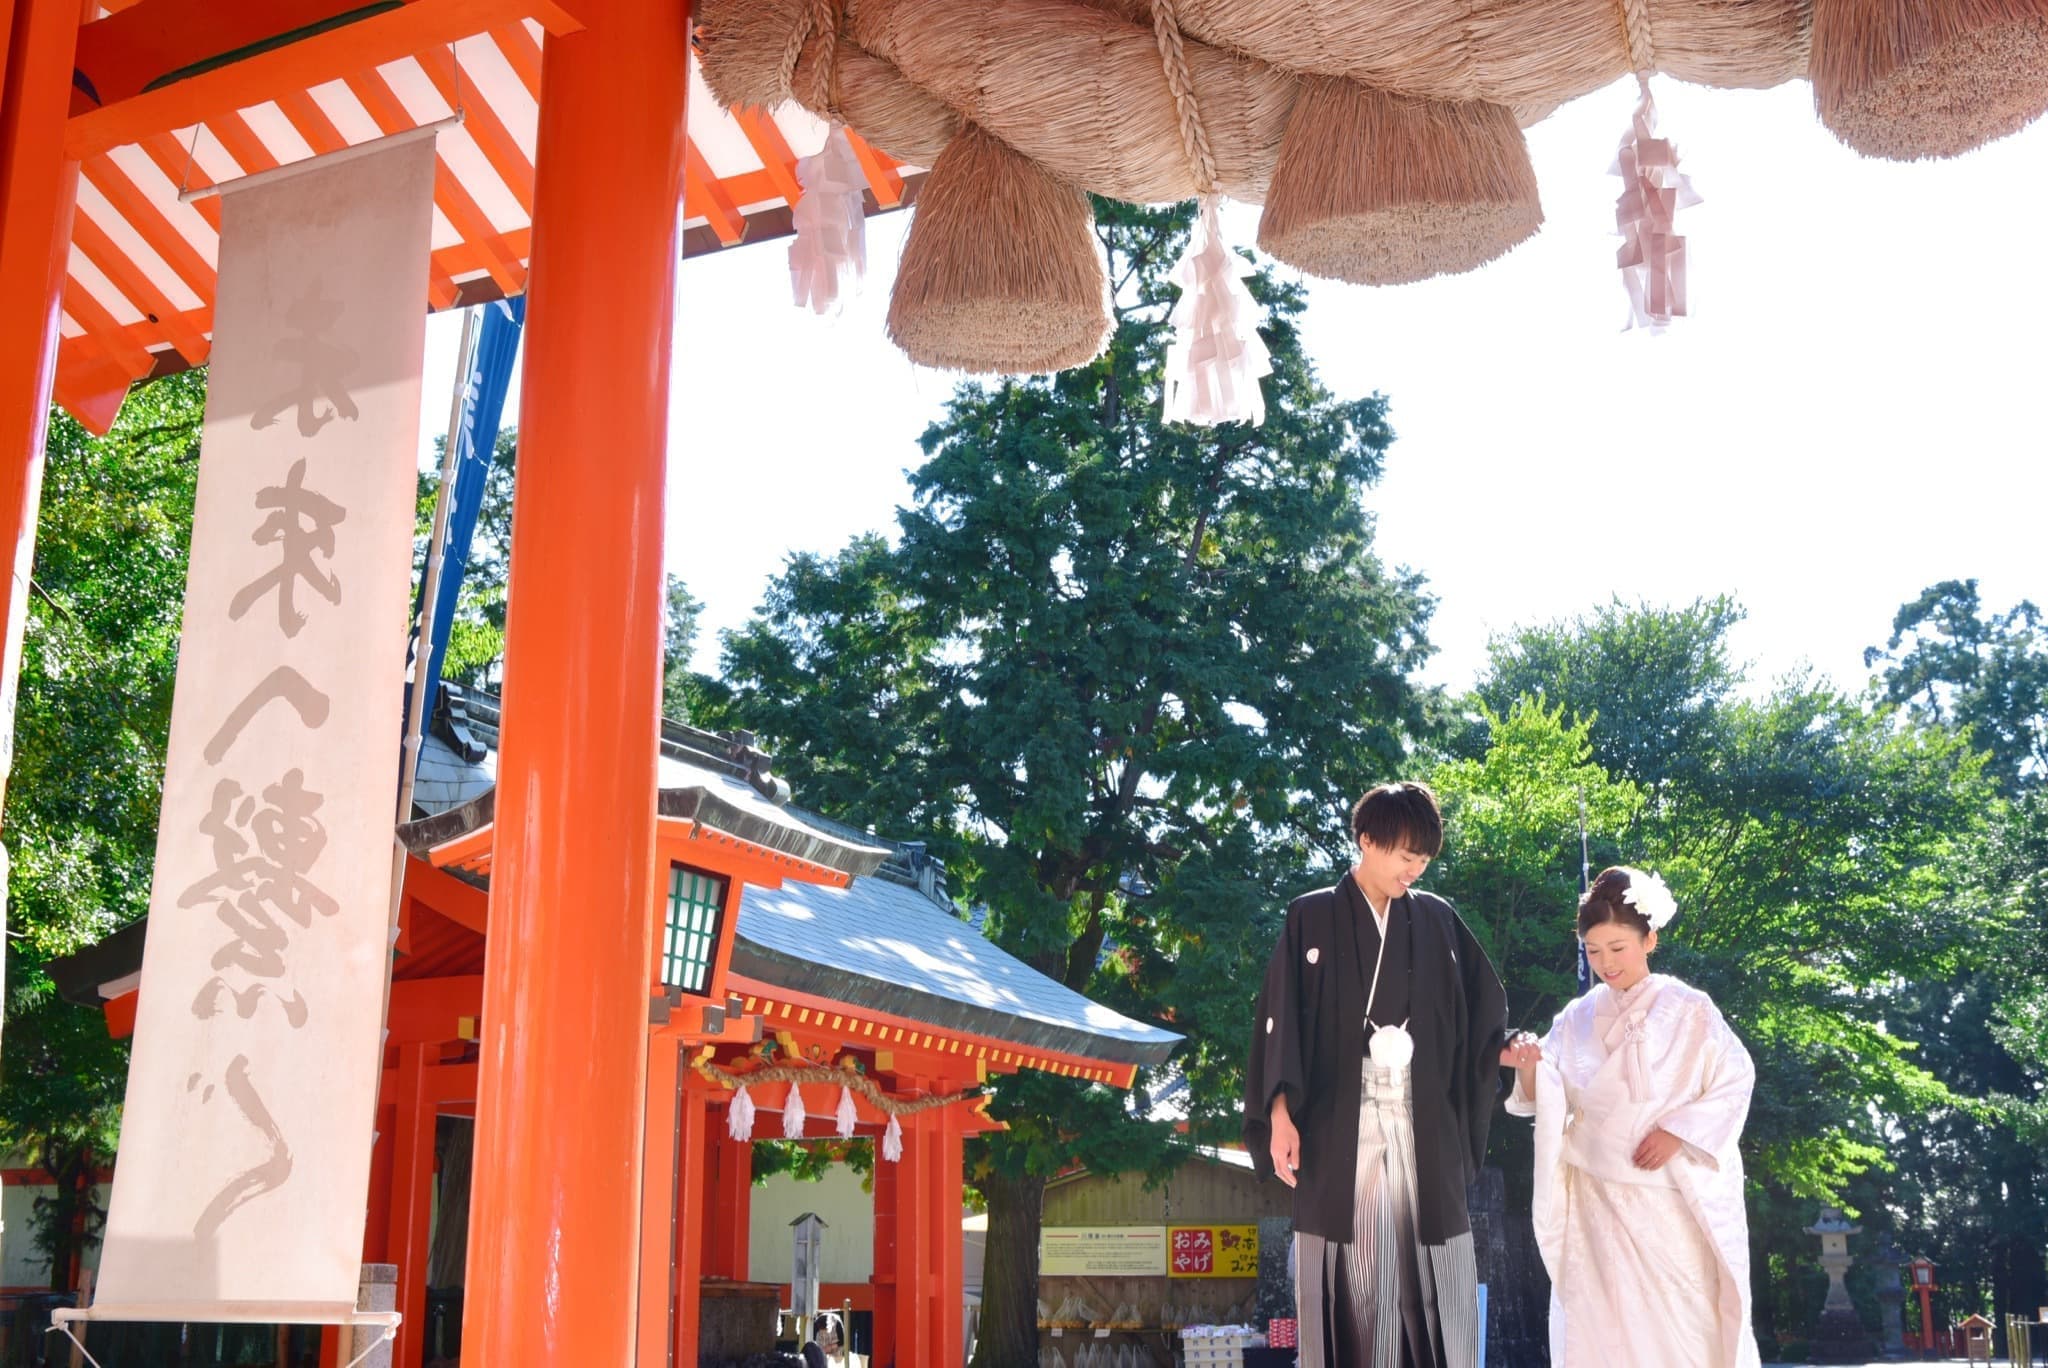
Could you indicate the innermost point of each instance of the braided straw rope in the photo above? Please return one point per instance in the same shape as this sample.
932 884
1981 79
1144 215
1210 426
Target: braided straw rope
1174 58
820 1073
820 20
1635 32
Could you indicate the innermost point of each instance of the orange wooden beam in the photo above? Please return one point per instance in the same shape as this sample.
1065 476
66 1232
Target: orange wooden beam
662 1175
241 142
176 160
412 1193
120 1014
89 385
521 53
482 123
384 107
772 148
431 1011
163 317
883 177
942 1132
705 196
692 1141
123 53
464 904
147 220
124 351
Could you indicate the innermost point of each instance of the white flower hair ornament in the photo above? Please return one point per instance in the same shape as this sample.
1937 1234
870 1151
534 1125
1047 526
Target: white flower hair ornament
1647 894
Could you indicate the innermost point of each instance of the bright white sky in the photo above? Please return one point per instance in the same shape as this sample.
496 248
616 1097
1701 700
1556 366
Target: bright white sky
1850 415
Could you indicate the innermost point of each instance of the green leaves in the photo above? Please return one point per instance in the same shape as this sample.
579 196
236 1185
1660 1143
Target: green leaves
98 660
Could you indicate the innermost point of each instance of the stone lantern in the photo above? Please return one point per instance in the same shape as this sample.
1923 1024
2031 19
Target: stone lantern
1840 1336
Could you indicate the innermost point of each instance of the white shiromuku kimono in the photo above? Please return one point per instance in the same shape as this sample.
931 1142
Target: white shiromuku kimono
1646 1266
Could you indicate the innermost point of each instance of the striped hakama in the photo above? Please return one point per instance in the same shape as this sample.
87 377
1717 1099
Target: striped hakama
1386 1300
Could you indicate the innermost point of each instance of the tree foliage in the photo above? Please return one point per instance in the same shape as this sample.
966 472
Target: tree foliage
99 658
1951 662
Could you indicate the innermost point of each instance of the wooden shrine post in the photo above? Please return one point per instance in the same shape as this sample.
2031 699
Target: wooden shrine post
38 191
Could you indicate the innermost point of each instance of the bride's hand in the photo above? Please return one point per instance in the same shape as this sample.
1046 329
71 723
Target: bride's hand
1657 1149
1523 1051
1522 1054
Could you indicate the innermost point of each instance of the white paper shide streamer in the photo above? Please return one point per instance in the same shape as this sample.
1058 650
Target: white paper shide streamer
739 1117
892 1141
1652 255
793 1117
1216 359
846 1117
830 252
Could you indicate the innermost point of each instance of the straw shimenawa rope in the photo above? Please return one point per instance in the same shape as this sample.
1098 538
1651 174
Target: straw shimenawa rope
847 1078
1001 273
1928 78
1383 189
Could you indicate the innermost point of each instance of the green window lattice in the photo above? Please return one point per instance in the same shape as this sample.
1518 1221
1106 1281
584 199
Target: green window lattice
696 906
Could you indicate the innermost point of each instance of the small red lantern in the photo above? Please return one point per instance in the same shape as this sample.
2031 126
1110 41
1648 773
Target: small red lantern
1922 1271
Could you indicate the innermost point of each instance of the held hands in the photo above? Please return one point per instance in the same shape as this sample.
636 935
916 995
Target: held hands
1286 1147
1522 1054
1657 1149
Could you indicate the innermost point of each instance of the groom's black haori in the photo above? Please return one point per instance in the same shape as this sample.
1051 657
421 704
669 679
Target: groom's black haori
1438 978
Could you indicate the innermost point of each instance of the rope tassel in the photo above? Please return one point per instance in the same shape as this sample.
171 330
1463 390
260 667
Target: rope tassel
829 255
793 1117
1216 359
892 1142
739 1117
846 1117
1652 255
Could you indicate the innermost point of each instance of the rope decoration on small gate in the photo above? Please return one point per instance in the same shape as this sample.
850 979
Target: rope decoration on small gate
740 1115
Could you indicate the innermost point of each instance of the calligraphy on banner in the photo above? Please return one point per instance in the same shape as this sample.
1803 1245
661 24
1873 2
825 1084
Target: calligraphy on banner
245 1145
1225 1251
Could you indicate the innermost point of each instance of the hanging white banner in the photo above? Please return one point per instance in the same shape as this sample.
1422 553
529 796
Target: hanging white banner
245 1147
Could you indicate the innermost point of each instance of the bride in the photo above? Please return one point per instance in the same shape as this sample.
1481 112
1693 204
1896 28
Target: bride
1639 1094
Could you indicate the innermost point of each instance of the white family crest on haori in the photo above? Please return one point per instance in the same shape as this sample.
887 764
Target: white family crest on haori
245 1146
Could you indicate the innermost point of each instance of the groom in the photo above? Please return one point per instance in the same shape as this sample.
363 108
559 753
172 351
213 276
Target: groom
1379 1146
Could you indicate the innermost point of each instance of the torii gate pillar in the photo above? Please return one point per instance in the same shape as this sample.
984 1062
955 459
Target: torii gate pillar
554 1233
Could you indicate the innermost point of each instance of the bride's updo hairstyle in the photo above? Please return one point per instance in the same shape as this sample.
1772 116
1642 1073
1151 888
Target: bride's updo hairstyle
1603 904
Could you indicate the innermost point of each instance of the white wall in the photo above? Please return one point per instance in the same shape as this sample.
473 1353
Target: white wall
849 1226
21 1263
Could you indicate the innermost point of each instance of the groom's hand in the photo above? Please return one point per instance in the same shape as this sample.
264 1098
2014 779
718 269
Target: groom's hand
1286 1148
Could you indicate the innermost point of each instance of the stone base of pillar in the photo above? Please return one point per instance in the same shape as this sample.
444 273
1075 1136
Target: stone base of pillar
1841 1338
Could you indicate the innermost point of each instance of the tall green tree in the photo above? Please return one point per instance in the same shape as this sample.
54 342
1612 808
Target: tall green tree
1656 678
1972 1186
98 659
1127 678
1951 661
